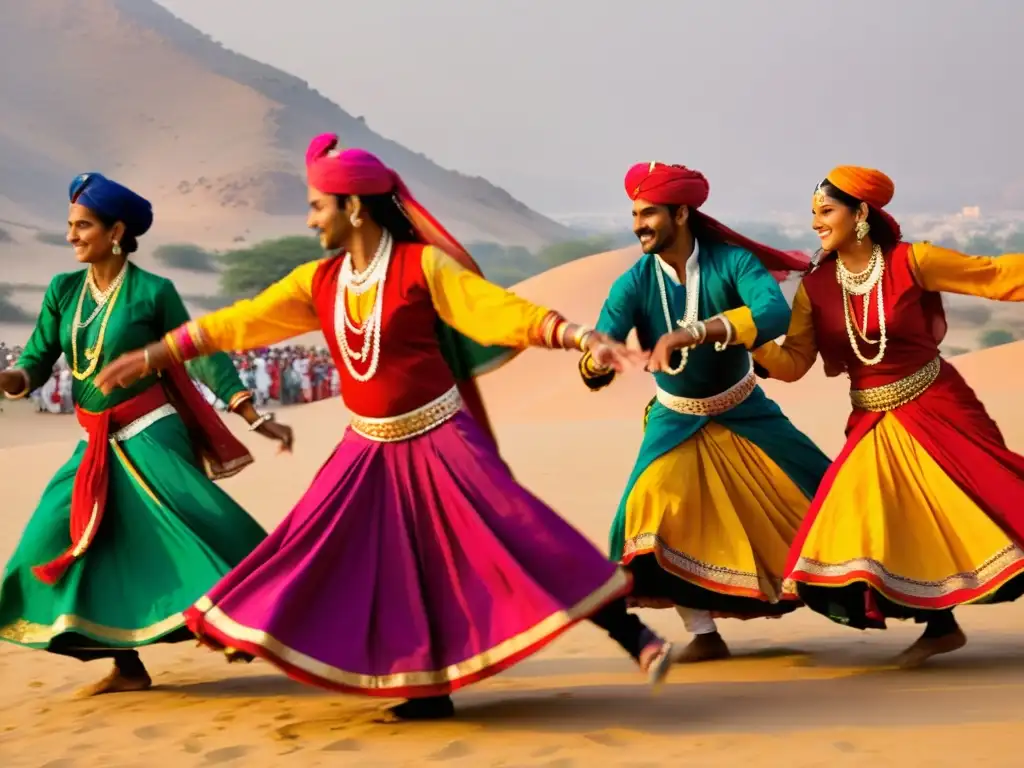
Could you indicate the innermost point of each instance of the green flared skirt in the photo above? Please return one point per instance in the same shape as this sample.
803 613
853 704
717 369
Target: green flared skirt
168 534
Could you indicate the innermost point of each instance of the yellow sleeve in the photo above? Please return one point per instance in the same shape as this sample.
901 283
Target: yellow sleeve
940 269
744 329
479 309
793 358
282 311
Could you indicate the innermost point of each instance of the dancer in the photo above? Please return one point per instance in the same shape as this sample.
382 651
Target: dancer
149 532
415 564
919 513
723 478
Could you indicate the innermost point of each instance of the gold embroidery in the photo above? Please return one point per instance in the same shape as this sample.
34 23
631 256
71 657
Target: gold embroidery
980 579
617 585
889 397
24 632
728 581
408 425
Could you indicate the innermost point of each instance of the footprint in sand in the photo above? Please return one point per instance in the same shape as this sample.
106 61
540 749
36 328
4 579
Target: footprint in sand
150 732
343 745
453 751
605 739
191 746
226 754
285 716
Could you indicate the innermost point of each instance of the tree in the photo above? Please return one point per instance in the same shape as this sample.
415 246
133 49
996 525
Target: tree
247 271
995 337
185 256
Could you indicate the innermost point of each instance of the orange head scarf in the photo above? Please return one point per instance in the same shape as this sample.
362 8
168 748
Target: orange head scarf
869 186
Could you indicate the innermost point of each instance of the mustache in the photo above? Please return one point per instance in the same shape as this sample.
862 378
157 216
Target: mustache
644 232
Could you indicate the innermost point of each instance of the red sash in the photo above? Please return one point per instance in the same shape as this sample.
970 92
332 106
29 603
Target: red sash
222 455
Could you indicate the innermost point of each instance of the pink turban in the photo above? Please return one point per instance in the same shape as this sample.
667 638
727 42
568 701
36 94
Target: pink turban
358 172
663 184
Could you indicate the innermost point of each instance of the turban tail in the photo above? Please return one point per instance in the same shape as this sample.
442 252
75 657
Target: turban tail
677 185
358 172
112 201
869 186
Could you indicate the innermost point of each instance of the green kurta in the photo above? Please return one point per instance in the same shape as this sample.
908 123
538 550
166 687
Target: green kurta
730 277
168 532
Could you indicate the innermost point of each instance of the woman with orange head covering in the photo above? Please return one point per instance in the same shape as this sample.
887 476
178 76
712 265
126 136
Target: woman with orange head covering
920 511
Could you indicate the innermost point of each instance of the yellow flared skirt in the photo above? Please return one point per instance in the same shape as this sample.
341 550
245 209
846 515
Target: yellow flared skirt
894 519
716 511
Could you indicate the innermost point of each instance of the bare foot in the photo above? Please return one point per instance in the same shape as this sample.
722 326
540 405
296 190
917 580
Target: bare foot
655 660
116 682
707 647
926 647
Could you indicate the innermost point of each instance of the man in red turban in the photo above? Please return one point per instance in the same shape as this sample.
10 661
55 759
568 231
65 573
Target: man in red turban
723 478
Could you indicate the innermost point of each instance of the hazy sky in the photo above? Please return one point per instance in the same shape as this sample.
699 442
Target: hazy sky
554 99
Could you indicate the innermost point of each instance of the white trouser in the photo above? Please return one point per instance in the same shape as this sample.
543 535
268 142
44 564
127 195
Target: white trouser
696 622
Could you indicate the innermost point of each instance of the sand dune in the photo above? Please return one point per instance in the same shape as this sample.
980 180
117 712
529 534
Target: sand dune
802 691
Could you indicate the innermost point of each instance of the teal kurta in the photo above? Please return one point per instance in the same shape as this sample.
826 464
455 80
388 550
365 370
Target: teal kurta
730 277
168 532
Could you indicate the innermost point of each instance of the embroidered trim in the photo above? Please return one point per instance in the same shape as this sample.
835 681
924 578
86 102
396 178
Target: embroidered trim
714 405
393 429
836 574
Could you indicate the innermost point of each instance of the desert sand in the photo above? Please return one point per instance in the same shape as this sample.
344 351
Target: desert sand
800 692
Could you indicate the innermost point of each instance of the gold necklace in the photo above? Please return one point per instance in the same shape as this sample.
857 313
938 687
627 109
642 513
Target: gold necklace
92 354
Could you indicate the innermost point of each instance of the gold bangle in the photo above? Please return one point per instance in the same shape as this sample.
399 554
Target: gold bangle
26 390
148 367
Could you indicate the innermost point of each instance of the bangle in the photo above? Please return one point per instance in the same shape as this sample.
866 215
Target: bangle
580 338
720 346
263 419
562 342
145 356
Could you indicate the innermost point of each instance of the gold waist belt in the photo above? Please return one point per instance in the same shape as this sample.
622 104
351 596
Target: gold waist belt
714 405
394 429
888 397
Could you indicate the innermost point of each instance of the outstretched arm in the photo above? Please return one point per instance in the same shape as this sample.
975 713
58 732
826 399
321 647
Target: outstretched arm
792 359
35 364
493 316
617 319
282 311
941 269
216 371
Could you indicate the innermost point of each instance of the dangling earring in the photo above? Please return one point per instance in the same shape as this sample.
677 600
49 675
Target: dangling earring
355 220
117 248
862 230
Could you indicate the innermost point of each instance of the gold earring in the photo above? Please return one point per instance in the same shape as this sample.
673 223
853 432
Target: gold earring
355 220
862 230
117 248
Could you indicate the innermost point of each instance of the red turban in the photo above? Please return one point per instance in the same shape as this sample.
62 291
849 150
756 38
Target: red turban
678 185
667 184
358 172
869 186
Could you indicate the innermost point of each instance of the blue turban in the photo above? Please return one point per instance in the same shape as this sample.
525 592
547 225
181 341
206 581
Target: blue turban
112 201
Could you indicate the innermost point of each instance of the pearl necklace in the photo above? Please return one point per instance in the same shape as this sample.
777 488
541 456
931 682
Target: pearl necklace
369 329
92 354
692 303
99 297
860 284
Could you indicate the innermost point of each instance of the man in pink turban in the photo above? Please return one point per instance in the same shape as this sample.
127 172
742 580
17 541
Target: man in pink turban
415 564
723 478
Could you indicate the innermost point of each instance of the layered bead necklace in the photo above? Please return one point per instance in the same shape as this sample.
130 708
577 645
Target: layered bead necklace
860 284
349 280
692 304
105 298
